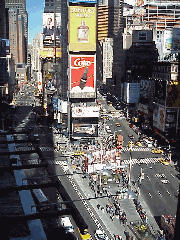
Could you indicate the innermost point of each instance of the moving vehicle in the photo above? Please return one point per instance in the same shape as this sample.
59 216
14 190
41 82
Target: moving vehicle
84 234
164 161
157 150
66 223
42 200
99 235
131 144
131 136
139 144
118 124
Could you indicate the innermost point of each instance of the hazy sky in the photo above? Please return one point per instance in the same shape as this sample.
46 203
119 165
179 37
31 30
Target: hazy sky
35 9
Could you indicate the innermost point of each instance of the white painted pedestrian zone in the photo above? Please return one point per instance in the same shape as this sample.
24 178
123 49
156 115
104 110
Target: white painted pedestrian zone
35 226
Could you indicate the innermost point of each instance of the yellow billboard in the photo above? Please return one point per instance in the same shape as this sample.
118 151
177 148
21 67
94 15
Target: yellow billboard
50 52
82 28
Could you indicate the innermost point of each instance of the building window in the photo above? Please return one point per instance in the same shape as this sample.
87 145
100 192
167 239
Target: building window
142 36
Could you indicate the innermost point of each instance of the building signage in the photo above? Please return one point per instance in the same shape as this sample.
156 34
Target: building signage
82 76
85 112
55 103
82 28
39 82
50 52
51 29
84 130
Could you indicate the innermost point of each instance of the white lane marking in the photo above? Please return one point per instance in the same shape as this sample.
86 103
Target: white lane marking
172 175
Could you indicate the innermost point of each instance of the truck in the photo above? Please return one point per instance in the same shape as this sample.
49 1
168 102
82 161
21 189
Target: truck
66 223
168 225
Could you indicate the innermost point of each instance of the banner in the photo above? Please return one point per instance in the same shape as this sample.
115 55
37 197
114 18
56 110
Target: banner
51 29
39 81
82 28
84 130
50 52
82 76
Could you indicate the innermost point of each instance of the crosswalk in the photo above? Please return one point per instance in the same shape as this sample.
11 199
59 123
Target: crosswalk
139 161
137 149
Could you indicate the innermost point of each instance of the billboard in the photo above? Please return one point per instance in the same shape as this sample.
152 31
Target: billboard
82 28
172 40
55 103
131 92
84 130
173 95
160 91
50 52
51 29
39 81
162 115
83 1
85 112
82 76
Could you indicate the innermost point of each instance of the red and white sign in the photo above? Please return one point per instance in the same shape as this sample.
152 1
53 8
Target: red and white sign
82 76
85 112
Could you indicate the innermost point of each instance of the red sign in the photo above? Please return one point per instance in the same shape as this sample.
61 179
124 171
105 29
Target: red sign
82 75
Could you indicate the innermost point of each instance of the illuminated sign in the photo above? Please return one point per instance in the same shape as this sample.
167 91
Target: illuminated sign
82 76
82 28
50 52
51 29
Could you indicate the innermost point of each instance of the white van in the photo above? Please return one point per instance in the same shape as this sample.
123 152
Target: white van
66 223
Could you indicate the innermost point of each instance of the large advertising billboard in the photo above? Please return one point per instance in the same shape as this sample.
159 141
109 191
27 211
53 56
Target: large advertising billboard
159 116
172 40
173 95
160 91
82 28
84 130
50 52
131 92
82 76
78 112
51 29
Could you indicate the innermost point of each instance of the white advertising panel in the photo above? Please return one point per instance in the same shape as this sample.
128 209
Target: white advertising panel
85 112
84 130
62 106
161 116
39 81
51 29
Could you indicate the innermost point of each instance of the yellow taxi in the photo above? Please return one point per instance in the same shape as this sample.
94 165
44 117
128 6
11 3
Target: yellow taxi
131 144
139 144
78 153
84 234
118 124
157 150
164 161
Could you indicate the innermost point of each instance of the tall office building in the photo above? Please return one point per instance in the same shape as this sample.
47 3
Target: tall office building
2 19
16 37
19 6
52 6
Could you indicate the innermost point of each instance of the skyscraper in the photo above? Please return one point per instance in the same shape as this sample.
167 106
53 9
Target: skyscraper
19 6
52 6
2 19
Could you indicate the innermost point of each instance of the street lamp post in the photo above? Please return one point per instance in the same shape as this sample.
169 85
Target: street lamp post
130 165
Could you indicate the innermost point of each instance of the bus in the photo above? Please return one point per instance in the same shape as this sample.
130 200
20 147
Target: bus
41 199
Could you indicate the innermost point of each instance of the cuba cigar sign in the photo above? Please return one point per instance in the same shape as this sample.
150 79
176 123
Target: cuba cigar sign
82 76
